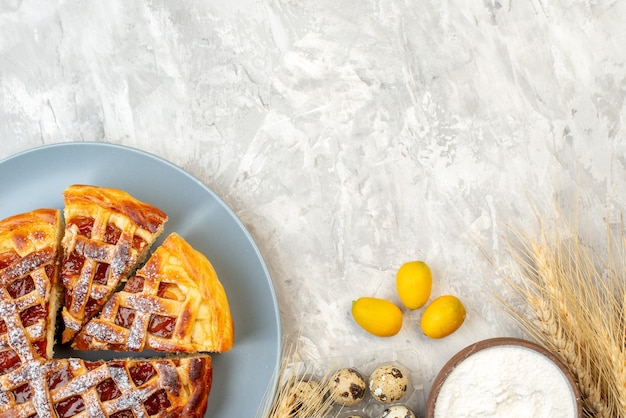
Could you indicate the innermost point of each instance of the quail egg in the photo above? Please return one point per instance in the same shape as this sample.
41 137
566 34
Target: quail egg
388 383
397 411
347 387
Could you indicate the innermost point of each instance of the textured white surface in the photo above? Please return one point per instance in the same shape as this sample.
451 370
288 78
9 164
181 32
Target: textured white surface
349 136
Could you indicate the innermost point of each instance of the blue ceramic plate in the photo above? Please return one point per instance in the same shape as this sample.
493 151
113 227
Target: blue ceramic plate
37 178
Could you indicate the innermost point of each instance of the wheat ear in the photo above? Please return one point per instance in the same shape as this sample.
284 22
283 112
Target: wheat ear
294 396
563 312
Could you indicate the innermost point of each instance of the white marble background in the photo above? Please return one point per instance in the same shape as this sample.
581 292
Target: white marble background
349 136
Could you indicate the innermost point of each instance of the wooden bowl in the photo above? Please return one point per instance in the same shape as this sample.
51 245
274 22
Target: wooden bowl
496 344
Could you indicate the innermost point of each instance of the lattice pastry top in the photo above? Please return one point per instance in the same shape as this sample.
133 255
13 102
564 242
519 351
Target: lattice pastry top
174 303
29 292
64 388
108 233
176 296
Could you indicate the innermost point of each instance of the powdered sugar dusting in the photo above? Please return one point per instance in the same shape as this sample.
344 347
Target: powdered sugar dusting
81 384
131 399
104 333
70 322
25 302
99 292
42 282
93 405
93 250
147 303
168 378
4 398
145 306
81 290
33 373
15 332
138 331
120 377
161 344
122 259
31 368
36 331
26 265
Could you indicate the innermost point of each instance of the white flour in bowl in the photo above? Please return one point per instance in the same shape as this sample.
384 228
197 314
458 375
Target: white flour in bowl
506 381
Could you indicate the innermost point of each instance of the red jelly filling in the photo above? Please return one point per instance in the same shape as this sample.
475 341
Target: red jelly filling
112 234
134 285
141 373
138 243
50 271
91 308
40 347
169 291
101 275
84 225
9 360
127 413
125 317
21 287
22 393
108 390
59 377
90 365
8 258
158 401
73 264
31 315
70 406
162 326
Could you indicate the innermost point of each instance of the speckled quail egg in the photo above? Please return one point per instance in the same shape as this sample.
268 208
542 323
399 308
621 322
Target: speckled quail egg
347 387
388 383
397 411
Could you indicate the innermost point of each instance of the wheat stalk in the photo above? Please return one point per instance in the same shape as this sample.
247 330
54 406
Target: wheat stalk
301 391
571 301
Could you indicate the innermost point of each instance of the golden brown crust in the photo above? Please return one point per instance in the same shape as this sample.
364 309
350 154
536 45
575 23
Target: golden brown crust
144 215
77 388
174 303
108 233
29 256
200 379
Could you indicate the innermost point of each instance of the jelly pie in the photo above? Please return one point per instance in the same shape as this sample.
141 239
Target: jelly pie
29 292
108 233
174 303
65 388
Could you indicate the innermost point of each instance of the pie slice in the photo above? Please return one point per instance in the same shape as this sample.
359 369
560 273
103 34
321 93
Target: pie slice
130 388
108 233
174 303
29 292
